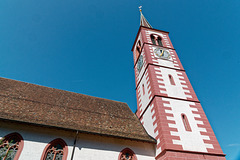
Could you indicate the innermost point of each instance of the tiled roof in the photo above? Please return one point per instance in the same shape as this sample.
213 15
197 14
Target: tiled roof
30 103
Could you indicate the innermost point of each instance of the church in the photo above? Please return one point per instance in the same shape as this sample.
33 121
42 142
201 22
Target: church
41 123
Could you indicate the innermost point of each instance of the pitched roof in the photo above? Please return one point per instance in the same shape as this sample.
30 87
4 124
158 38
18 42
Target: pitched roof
34 104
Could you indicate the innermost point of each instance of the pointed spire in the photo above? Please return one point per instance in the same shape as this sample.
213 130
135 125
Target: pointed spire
143 20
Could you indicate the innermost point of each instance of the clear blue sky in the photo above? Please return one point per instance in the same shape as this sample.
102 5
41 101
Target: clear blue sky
85 47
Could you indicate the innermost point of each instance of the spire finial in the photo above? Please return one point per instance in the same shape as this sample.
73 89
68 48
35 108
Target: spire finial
140 8
143 20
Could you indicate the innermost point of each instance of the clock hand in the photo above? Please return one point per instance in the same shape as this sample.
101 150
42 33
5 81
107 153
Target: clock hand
161 53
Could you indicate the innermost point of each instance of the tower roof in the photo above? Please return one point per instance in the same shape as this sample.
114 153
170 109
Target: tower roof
143 20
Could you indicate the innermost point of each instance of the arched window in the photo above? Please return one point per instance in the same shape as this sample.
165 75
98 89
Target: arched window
159 40
138 52
139 44
185 122
11 146
55 150
127 154
138 48
171 79
153 39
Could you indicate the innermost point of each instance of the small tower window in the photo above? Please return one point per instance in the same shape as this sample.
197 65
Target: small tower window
171 79
185 122
139 44
11 146
138 48
159 40
143 89
138 51
153 39
55 150
127 154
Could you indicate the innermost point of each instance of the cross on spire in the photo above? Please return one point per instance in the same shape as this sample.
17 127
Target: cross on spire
143 20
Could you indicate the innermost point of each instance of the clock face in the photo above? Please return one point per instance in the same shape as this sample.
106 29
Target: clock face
161 53
140 63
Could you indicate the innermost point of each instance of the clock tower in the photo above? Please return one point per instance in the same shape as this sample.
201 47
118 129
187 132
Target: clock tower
167 105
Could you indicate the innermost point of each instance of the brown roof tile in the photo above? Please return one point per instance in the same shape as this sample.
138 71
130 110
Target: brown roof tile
25 102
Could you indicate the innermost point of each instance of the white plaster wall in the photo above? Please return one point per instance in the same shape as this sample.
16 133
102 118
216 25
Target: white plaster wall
88 147
144 98
190 140
148 120
35 139
97 147
176 90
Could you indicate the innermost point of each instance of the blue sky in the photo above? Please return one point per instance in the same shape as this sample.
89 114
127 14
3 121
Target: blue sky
85 47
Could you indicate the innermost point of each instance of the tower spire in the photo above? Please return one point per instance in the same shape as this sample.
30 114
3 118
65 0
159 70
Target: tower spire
143 20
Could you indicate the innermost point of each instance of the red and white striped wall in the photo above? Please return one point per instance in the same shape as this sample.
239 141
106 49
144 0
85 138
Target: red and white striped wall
168 106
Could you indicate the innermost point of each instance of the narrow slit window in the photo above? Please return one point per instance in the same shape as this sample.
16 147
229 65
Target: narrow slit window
159 40
143 89
153 39
185 122
171 79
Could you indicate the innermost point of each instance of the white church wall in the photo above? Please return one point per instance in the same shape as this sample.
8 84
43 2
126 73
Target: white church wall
35 138
88 146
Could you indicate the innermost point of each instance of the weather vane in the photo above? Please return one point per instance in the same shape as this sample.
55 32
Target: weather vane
140 8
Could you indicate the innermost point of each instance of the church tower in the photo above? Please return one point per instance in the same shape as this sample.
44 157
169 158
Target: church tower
167 105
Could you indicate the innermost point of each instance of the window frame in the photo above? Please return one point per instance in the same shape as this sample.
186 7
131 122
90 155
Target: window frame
20 145
52 143
186 122
172 82
155 40
127 150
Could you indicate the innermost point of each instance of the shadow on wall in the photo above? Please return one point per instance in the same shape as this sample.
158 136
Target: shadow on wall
97 142
85 142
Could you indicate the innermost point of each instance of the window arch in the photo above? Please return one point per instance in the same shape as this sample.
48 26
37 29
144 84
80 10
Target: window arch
185 122
153 39
11 146
139 47
127 154
156 40
55 150
159 40
171 79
